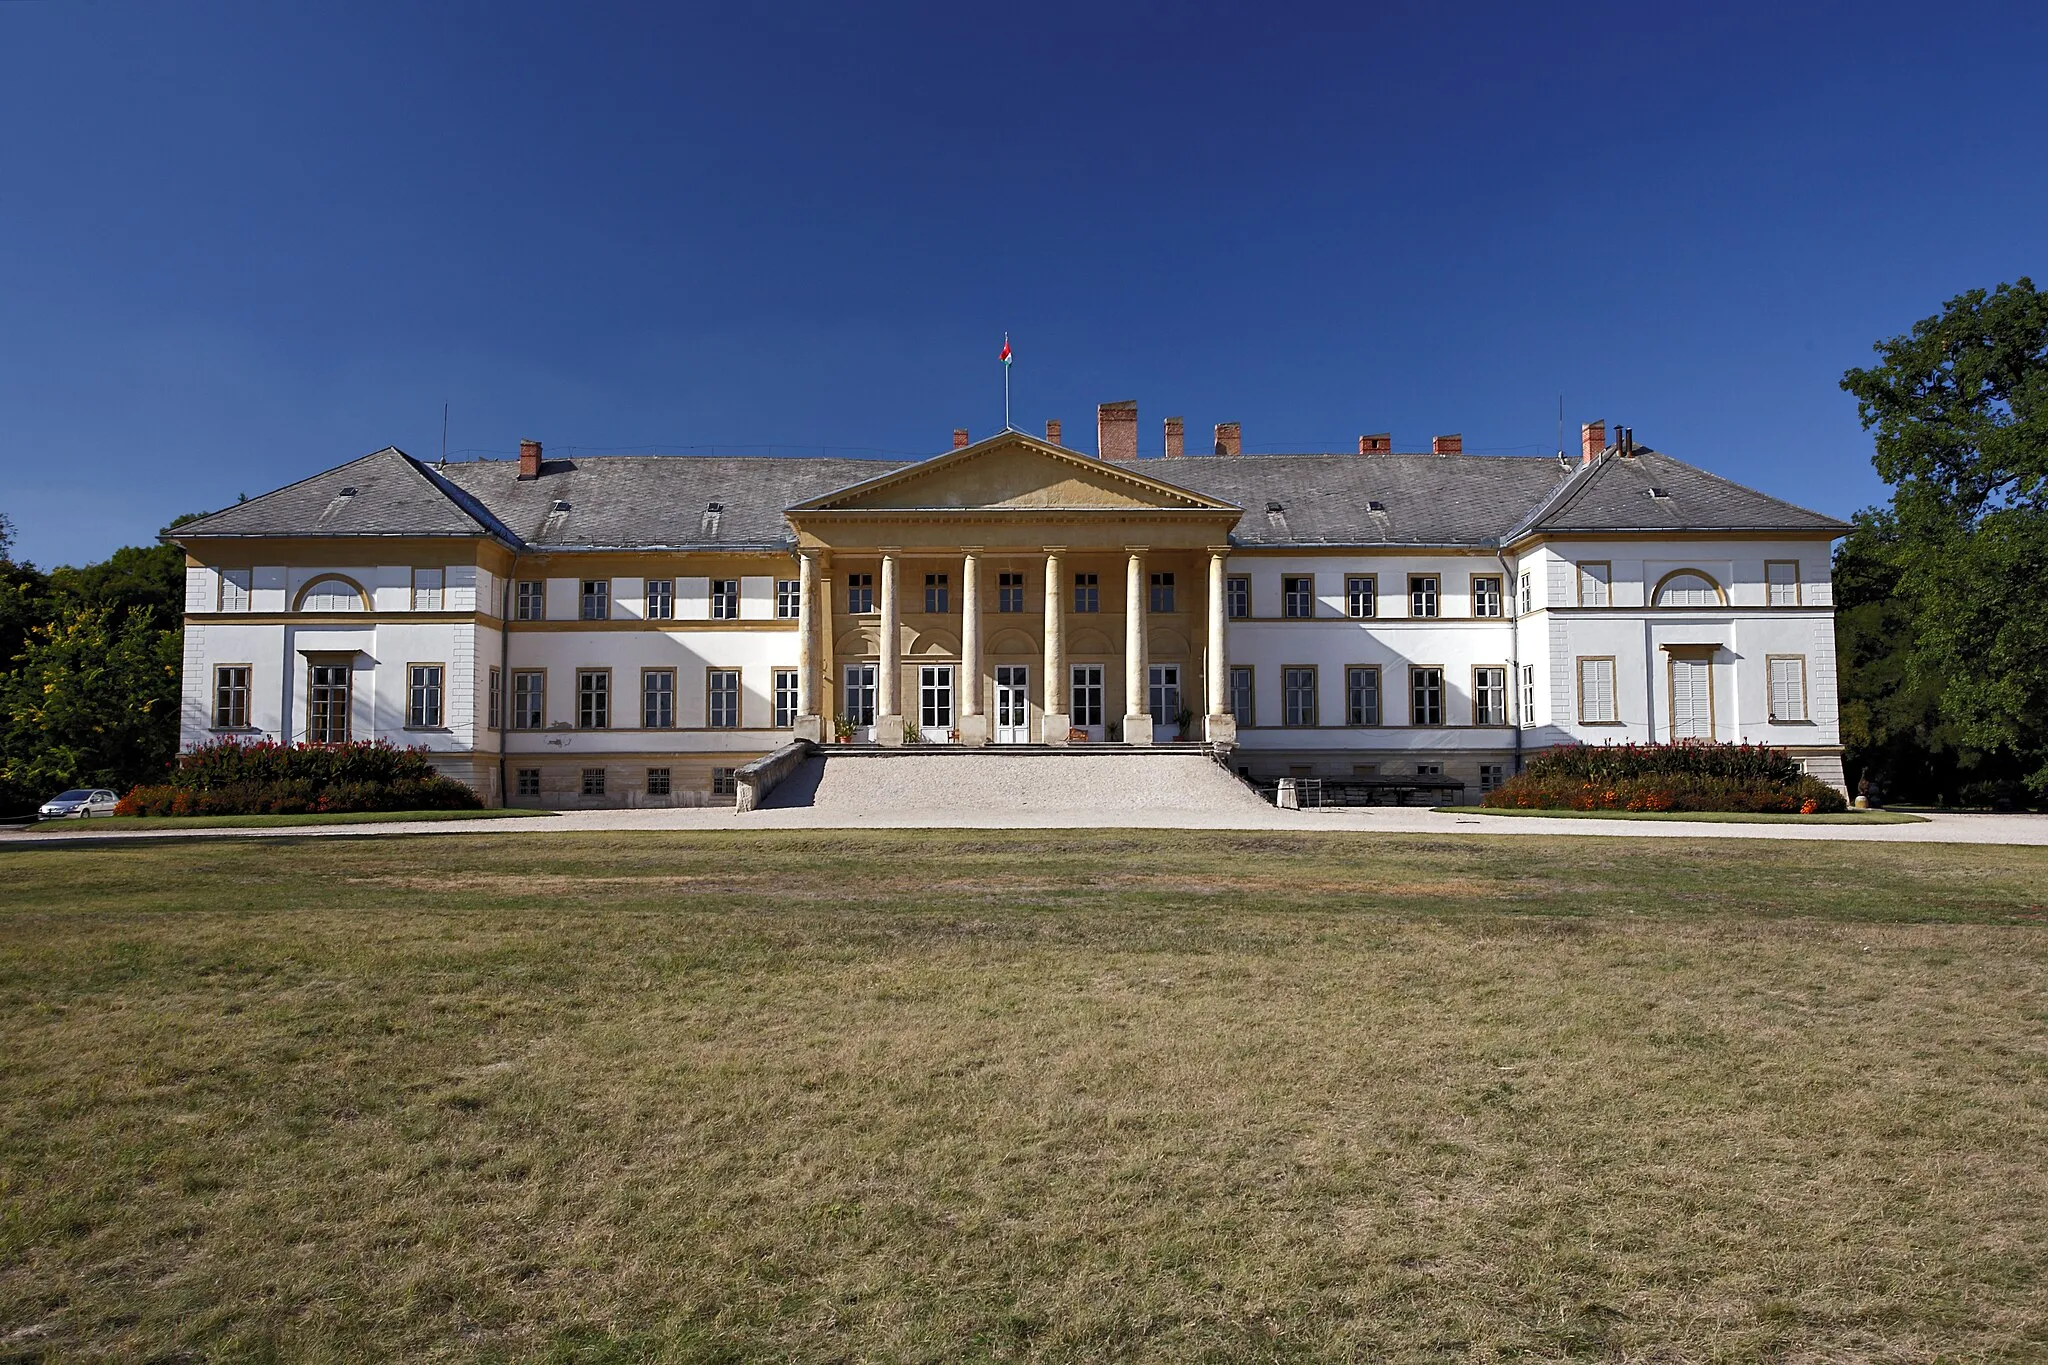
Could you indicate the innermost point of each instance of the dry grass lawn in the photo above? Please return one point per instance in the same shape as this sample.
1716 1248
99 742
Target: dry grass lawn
1064 1096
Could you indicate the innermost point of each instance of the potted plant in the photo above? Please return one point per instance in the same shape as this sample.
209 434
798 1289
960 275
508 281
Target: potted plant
911 734
842 729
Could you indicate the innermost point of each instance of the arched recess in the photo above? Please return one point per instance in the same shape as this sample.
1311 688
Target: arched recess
1012 641
1688 588
860 642
930 642
332 592
1088 640
1163 642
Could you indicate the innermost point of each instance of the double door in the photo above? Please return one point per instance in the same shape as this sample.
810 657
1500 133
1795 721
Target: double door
1013 704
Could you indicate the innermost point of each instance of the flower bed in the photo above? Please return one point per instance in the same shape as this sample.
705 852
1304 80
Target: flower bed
1691 775
267 778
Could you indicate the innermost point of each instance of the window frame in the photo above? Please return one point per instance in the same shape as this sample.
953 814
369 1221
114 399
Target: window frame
725 782
494 699
789 599
648 694
248 672
1500 776
415 714
1671 662
242 581
1010 581
1297 589
1501 696
348 700
585 694
1442 720
526 782
530 599
661 782
1352 595
661 605
1088 591
1720 601
1613 687
1288 693
711 696
1805 716
593 593
781 681
1582 572
539 695
1499 588
1525 593
1435 596
1527 696
1798 588
860 594
1246 718
593 783
429 597
1237 591
938 594
725 599
1379 696
1159 593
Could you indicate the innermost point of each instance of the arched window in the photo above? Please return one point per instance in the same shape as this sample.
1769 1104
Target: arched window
331 594
1688 588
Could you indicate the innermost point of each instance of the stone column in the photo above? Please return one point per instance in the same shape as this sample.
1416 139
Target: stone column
1137 720
1222 727
972 724
1056 719
810 724
889 667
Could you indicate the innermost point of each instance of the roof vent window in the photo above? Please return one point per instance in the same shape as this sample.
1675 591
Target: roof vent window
1375 505
561 505
1273 507
349 491
1659 493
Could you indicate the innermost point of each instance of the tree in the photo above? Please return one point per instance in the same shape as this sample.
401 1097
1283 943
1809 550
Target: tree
1944 645
92 701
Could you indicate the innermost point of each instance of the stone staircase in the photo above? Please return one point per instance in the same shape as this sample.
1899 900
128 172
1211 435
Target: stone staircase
1034 780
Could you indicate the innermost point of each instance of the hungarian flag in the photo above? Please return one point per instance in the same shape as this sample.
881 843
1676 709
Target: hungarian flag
1005 356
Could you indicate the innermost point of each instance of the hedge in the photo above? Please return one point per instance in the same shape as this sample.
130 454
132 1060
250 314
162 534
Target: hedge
267 778
1690 775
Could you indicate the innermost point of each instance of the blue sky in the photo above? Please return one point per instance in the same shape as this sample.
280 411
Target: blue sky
241 243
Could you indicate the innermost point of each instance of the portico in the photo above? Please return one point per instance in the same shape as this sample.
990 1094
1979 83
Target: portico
1004 570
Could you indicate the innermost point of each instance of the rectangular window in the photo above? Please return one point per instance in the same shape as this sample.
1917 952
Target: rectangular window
1084 694
1486 596
1489 696
1362 695
423 696
1361 596
231 697
658 698
725 782
1429 770
1162 593
1594 579
529 700
1087 593
1298 696
1528 593
938 596
1162 693
327 704
530 602
785 698
1297 598
657 782
426 589
1782 578
494 702
725 599
1009 592
593 782
1422 591
1528 694
935 700
860 594
596 600
860 694
1241 695
1491 775
234 589
661 599
789 598
1237 597
593 699
526 781
1596 691
722 699
1788 686
1426 696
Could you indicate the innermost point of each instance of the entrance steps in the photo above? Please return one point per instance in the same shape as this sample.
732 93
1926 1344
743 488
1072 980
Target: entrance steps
1036 779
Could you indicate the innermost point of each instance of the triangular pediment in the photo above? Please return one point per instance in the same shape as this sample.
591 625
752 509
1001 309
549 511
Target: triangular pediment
1013 472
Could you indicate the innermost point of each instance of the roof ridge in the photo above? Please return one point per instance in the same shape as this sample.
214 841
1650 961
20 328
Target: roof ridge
189 527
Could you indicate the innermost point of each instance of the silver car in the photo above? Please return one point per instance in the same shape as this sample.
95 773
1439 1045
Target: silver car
83 802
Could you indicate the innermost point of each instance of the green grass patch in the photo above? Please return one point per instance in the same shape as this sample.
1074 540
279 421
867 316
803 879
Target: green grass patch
359 817
1709 817
1045 1095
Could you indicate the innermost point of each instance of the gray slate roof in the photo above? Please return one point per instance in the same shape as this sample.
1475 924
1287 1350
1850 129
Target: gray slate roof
665 502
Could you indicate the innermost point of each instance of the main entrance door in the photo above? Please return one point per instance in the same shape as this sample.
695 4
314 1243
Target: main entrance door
935 702
1086 699
1692 699
1163 700
860 701
1013 707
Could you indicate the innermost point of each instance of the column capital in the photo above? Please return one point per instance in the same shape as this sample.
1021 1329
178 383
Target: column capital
1054 549
1137 549
1223 550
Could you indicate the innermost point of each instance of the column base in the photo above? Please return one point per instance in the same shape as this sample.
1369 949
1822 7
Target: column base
974 730
889 731
1222 730
811 728
1055 725
1138 730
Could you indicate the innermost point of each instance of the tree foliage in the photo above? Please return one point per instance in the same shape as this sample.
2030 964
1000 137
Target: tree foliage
1944 644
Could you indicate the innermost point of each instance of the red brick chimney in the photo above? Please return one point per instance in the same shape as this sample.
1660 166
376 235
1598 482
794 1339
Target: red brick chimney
1176 438
1382 444
1229 439
959 438
529 459
1052 430
1453 444
1592 440
1116 430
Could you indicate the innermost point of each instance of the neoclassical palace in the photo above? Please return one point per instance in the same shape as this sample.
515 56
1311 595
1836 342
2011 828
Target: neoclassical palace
605 631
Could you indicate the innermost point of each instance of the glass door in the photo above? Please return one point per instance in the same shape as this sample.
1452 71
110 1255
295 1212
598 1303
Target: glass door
1085 697
860 701
1013 704
935 702
327 704
1162 699
1692 699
